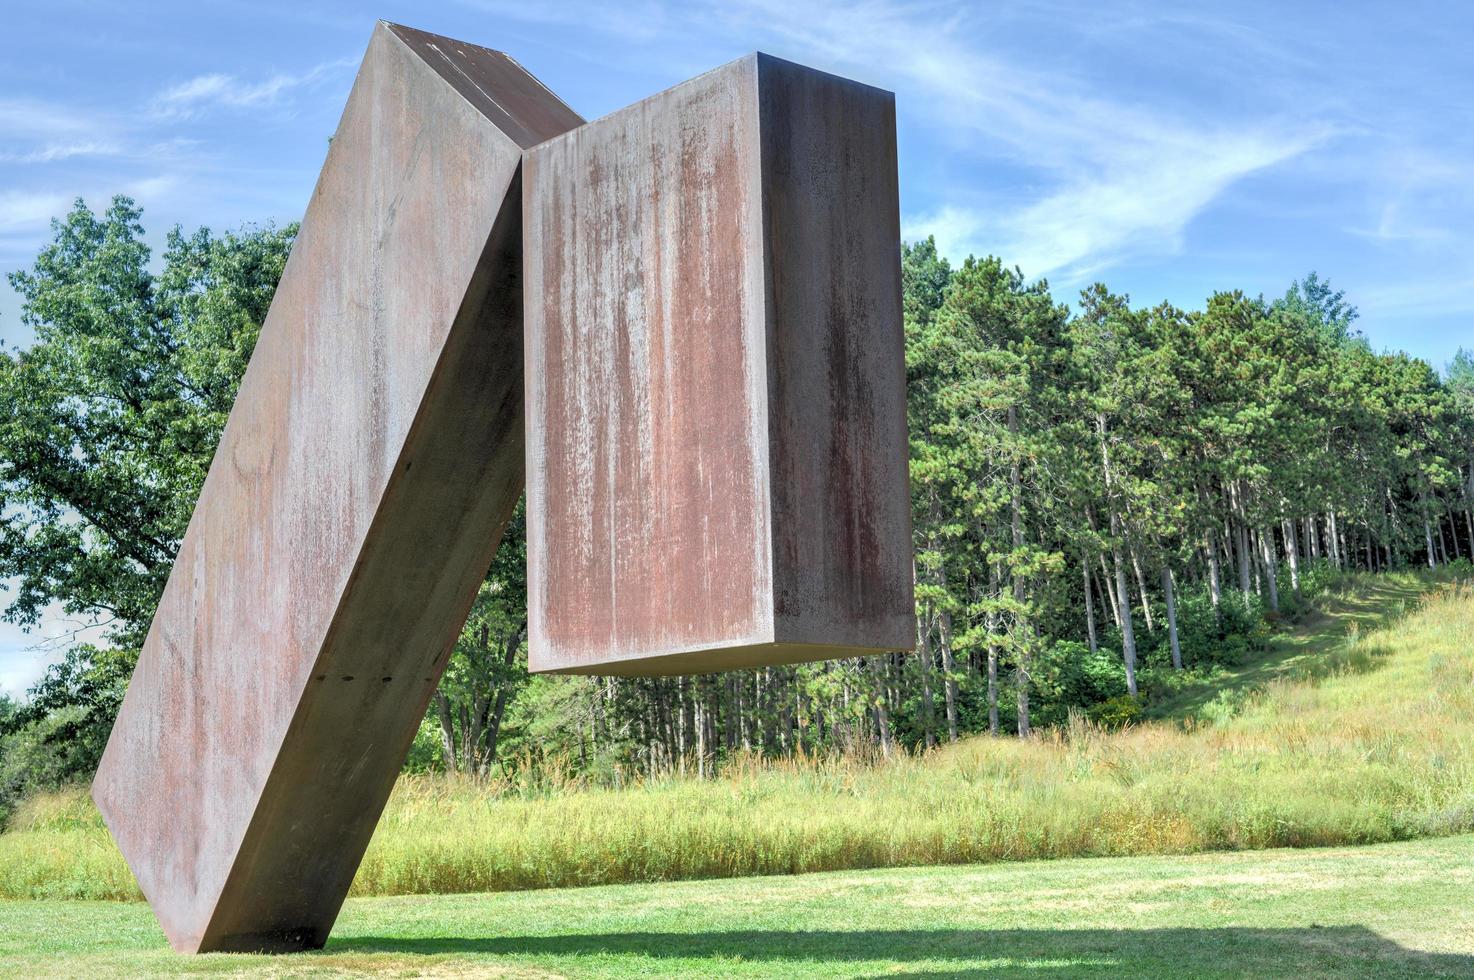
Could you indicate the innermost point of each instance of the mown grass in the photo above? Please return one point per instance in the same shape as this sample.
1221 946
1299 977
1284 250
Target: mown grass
1368 737
1386 911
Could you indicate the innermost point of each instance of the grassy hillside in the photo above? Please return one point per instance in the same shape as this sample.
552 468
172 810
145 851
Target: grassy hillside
1393 910
1348 732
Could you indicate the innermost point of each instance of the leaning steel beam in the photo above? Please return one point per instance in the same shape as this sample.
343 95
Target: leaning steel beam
369 466
717 451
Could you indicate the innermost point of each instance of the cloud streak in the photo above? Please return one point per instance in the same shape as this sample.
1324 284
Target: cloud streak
25 210
29 119
1117 177
53 152
1096 216
203 92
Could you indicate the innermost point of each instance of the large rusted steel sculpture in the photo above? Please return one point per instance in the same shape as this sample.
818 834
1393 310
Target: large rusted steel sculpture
716 448
716 380
374 453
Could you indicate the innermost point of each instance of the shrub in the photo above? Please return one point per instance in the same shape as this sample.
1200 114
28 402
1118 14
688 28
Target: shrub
1116 712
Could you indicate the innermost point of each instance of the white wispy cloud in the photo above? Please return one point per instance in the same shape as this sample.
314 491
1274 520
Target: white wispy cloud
217 90
1424 199
151 187
1099 214
39 132
52 152
25 210
33 119
1115 177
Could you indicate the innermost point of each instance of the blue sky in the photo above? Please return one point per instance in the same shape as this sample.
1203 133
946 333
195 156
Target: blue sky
1166 149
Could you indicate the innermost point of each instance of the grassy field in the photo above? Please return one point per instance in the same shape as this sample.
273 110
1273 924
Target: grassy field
1349 732
1391 910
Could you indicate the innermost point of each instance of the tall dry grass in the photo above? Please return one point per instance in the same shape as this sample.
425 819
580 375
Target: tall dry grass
1377 746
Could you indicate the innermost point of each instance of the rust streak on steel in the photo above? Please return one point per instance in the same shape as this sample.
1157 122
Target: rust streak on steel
369 466
717 452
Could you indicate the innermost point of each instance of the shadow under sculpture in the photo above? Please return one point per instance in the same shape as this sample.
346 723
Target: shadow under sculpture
719 448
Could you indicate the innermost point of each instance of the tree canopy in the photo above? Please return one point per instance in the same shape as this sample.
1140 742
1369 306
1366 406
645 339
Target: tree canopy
111 417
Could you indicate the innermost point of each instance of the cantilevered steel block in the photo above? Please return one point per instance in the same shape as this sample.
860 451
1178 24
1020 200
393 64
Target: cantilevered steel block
372 458
717 453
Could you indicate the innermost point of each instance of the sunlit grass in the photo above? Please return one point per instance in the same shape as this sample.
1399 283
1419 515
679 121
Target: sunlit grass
1388 911
1364 736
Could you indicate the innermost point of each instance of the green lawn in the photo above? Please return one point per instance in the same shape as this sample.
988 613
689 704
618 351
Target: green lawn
1356 728
1390 910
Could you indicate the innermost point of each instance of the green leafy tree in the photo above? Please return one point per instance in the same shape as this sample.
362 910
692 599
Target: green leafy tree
1323 309
109 420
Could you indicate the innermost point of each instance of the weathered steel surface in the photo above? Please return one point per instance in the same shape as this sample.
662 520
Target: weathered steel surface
371 460
717 456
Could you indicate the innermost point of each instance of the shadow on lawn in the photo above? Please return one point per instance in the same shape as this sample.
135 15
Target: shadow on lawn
1312 951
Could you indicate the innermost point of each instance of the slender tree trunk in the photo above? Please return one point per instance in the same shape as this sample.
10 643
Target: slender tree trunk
1428 535
1215 587
882 716
1128 638
1292 551
992 626
447 731
1089 604
1169 592
787 721
1246 583
683 725
1266 551
1224 537
992 688
499 707
770 719
494 729
1146 608
1103 580
1021 692
1123 599
1337 549
1468 510
700 722
1022 644
926 710
1258 564
924 663
1241 542
949 680
473 748
1110 587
